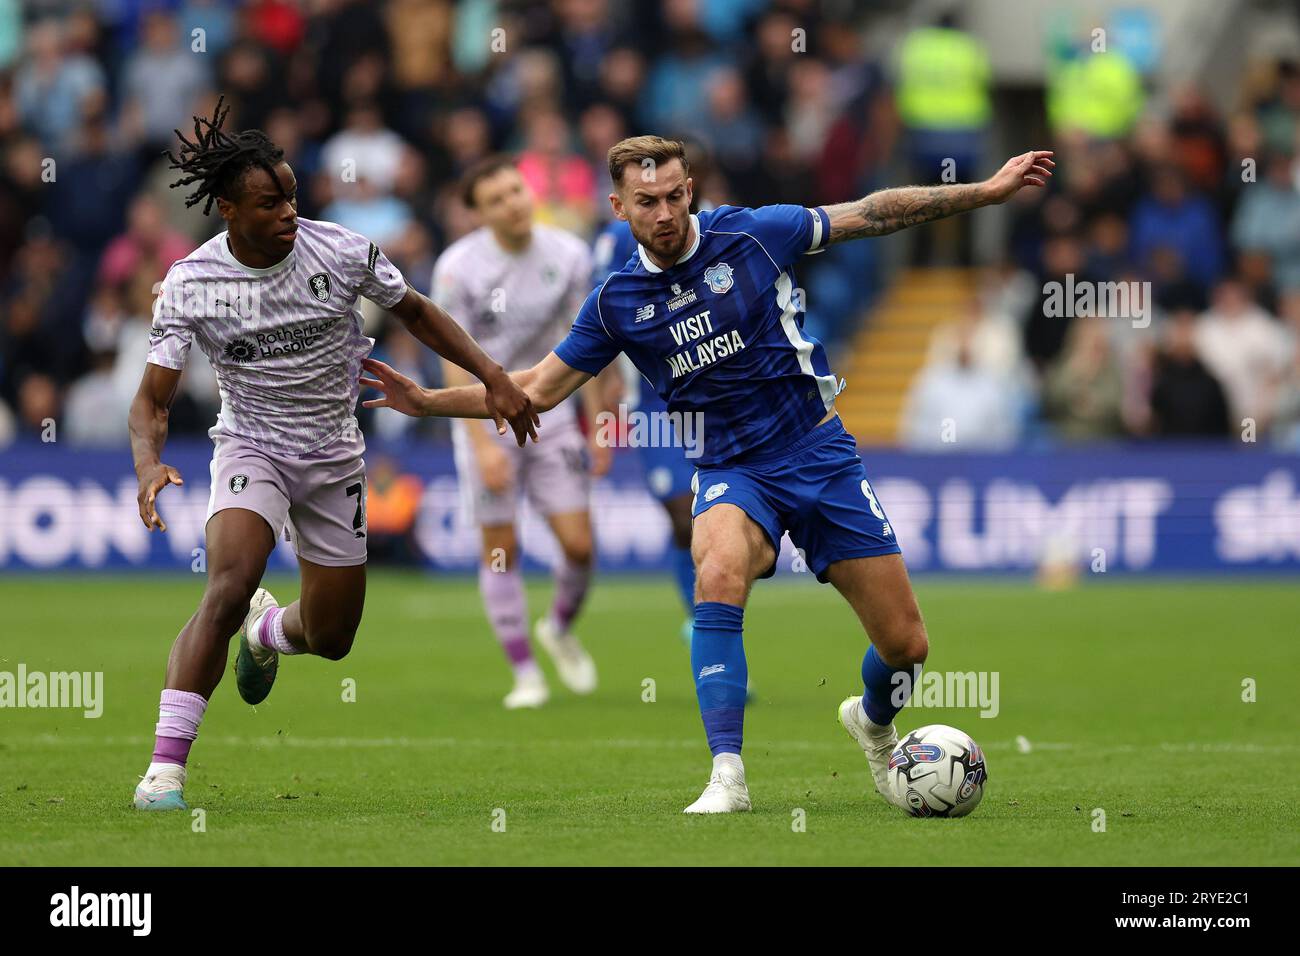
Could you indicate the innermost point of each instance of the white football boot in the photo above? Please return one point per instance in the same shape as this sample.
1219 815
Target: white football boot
576 668
726 792
530 690
162 788
877 743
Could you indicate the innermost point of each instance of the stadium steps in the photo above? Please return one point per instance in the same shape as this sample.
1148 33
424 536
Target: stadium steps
890 348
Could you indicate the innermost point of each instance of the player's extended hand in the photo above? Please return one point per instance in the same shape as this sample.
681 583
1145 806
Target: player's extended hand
507 402
399 391
152 481
1033 168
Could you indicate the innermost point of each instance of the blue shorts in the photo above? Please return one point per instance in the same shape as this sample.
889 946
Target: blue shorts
817 490
668 472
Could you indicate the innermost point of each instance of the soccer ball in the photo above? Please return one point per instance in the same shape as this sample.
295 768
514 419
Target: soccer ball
937 771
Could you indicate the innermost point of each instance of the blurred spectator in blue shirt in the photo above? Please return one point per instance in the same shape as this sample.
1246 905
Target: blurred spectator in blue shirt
1267 222
1170 216
55 89
163 82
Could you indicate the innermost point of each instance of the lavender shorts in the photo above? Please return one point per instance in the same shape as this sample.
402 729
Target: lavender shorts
317 500
554 472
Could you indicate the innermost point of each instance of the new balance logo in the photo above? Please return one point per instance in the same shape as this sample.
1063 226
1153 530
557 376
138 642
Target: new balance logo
645 313
712 669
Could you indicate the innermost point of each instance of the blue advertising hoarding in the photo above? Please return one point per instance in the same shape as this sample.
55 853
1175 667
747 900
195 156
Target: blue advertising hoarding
1144 508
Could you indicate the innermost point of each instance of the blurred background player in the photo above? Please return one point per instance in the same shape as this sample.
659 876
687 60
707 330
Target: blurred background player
667 470
272 303
516 285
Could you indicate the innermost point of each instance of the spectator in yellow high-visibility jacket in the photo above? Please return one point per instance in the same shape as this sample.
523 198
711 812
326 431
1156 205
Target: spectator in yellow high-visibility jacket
943 78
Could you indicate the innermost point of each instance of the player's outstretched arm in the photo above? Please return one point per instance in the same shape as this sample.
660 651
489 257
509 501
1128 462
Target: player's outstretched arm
147 422
889 210
503 400
546 384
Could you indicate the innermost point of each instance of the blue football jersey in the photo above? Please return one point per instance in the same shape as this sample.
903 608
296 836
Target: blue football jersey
613 247
720 332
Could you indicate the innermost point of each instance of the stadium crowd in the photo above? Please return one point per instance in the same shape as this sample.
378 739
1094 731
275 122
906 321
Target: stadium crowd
1153 186
1184 228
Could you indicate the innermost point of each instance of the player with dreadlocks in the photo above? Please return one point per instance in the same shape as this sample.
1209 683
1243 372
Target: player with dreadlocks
272 302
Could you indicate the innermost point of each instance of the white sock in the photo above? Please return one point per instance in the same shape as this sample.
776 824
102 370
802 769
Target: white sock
528 670
159 767
729 762
281 643
873 728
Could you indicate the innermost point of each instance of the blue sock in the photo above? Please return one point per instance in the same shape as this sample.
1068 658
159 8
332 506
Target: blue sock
718 659
684 575
885 694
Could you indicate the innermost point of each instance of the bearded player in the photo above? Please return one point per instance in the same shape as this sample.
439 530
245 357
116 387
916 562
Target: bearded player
272 302
515 285
776 457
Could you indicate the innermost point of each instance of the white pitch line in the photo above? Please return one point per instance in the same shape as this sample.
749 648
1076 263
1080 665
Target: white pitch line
469 606
612 743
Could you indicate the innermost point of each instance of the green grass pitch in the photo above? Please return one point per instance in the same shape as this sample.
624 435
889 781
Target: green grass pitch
1129 696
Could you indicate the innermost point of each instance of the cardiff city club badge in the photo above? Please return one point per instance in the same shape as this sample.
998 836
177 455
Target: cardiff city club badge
320 286
718 278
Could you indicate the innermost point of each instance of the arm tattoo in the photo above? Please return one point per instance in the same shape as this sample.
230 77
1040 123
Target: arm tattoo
889 210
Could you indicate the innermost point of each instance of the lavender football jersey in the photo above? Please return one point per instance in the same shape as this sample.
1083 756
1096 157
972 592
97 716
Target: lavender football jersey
286 341
518 306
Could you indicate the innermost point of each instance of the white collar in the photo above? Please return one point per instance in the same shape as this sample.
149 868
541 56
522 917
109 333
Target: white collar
649 263
269 270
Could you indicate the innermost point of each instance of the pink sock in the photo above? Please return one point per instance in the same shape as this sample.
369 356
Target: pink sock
571 582
179 714
270 632
507 610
